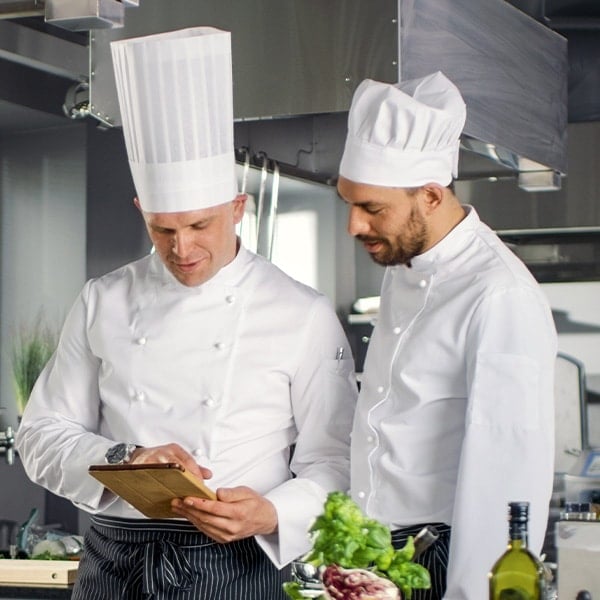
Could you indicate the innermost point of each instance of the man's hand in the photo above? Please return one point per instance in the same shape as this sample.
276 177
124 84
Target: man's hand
237 513
170 453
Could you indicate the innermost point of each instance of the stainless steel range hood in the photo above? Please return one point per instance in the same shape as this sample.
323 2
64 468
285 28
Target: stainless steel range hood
299 72
297 62
512 72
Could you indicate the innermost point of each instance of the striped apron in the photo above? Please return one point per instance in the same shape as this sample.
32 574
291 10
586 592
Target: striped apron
434 558
130 559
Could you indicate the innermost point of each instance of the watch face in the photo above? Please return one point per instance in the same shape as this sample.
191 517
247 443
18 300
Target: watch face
116 454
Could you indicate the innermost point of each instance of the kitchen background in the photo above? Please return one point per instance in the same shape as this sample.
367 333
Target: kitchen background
66 211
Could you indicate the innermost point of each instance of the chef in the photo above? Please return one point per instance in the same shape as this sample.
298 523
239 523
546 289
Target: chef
455 413
201 353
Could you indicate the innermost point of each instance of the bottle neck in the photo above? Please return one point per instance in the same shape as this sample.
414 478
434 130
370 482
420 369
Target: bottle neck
518 534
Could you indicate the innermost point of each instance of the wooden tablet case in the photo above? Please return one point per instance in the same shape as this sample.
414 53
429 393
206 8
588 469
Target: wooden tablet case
151 487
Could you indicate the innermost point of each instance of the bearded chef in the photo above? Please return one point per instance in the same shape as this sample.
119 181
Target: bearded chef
201 353
455 413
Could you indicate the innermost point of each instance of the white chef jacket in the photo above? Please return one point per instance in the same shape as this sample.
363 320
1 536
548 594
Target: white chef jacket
234 370
455 416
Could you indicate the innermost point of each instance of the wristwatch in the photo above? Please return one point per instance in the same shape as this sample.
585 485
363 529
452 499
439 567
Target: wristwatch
120 454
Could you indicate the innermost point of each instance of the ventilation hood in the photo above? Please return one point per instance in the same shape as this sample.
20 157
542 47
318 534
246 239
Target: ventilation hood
299 73
512 72
297 63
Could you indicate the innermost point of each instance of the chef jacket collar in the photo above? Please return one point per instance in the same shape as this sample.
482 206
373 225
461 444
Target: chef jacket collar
452 244
231 274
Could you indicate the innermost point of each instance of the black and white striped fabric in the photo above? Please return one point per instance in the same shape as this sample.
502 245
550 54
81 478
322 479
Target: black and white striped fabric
128 559
434 558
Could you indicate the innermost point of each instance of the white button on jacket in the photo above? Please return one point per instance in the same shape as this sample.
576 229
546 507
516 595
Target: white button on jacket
236 381
466 423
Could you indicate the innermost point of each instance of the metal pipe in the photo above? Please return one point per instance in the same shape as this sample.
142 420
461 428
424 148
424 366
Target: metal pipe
13 10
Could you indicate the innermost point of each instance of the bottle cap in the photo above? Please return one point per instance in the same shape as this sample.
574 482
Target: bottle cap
518 511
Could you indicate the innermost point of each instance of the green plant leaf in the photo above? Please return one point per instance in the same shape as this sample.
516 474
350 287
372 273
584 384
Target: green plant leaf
31 350
344 536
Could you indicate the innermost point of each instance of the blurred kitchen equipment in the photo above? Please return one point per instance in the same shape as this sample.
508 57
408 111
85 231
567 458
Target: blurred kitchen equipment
307 577
582 482
77 101
258 226
8 538
578 557
267 215
260 203
7 440
578 531
570 412
79 16
246 228
425 538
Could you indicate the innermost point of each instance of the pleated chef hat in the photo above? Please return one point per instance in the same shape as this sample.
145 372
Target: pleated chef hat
176 99
405 134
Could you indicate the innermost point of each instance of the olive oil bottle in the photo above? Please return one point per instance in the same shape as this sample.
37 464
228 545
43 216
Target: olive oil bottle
518 574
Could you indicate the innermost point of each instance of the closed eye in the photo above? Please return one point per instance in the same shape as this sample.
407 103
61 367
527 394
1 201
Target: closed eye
162 230
372 209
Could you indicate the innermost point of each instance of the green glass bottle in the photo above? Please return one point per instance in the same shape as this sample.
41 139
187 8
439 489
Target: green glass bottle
518 574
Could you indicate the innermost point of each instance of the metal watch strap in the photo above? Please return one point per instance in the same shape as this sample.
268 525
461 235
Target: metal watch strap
120 454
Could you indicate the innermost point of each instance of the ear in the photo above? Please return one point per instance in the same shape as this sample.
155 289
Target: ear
239 205
137 204
433 194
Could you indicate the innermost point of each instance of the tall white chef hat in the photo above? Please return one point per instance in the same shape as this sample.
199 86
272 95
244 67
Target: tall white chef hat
176 99
405 134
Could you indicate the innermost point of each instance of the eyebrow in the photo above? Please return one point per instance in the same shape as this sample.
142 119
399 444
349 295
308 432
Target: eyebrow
349 202
202 221
362 203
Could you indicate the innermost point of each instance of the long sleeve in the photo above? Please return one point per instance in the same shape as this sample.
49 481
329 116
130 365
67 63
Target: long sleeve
236 371
508 447
456 416
59 433
323 396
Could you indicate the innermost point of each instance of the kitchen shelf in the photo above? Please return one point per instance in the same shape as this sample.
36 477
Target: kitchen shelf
557 254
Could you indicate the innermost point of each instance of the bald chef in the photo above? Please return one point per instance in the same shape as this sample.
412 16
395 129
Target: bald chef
201 353
455 415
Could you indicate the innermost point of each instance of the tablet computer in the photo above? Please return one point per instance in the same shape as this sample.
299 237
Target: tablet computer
150 487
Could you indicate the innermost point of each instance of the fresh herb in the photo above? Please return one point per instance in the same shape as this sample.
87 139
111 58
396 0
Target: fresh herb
344 536
292 589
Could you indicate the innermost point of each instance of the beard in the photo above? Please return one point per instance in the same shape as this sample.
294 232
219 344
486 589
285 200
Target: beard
401 249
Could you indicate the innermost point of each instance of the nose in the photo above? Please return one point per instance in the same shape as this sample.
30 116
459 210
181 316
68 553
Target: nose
357 223
182 243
